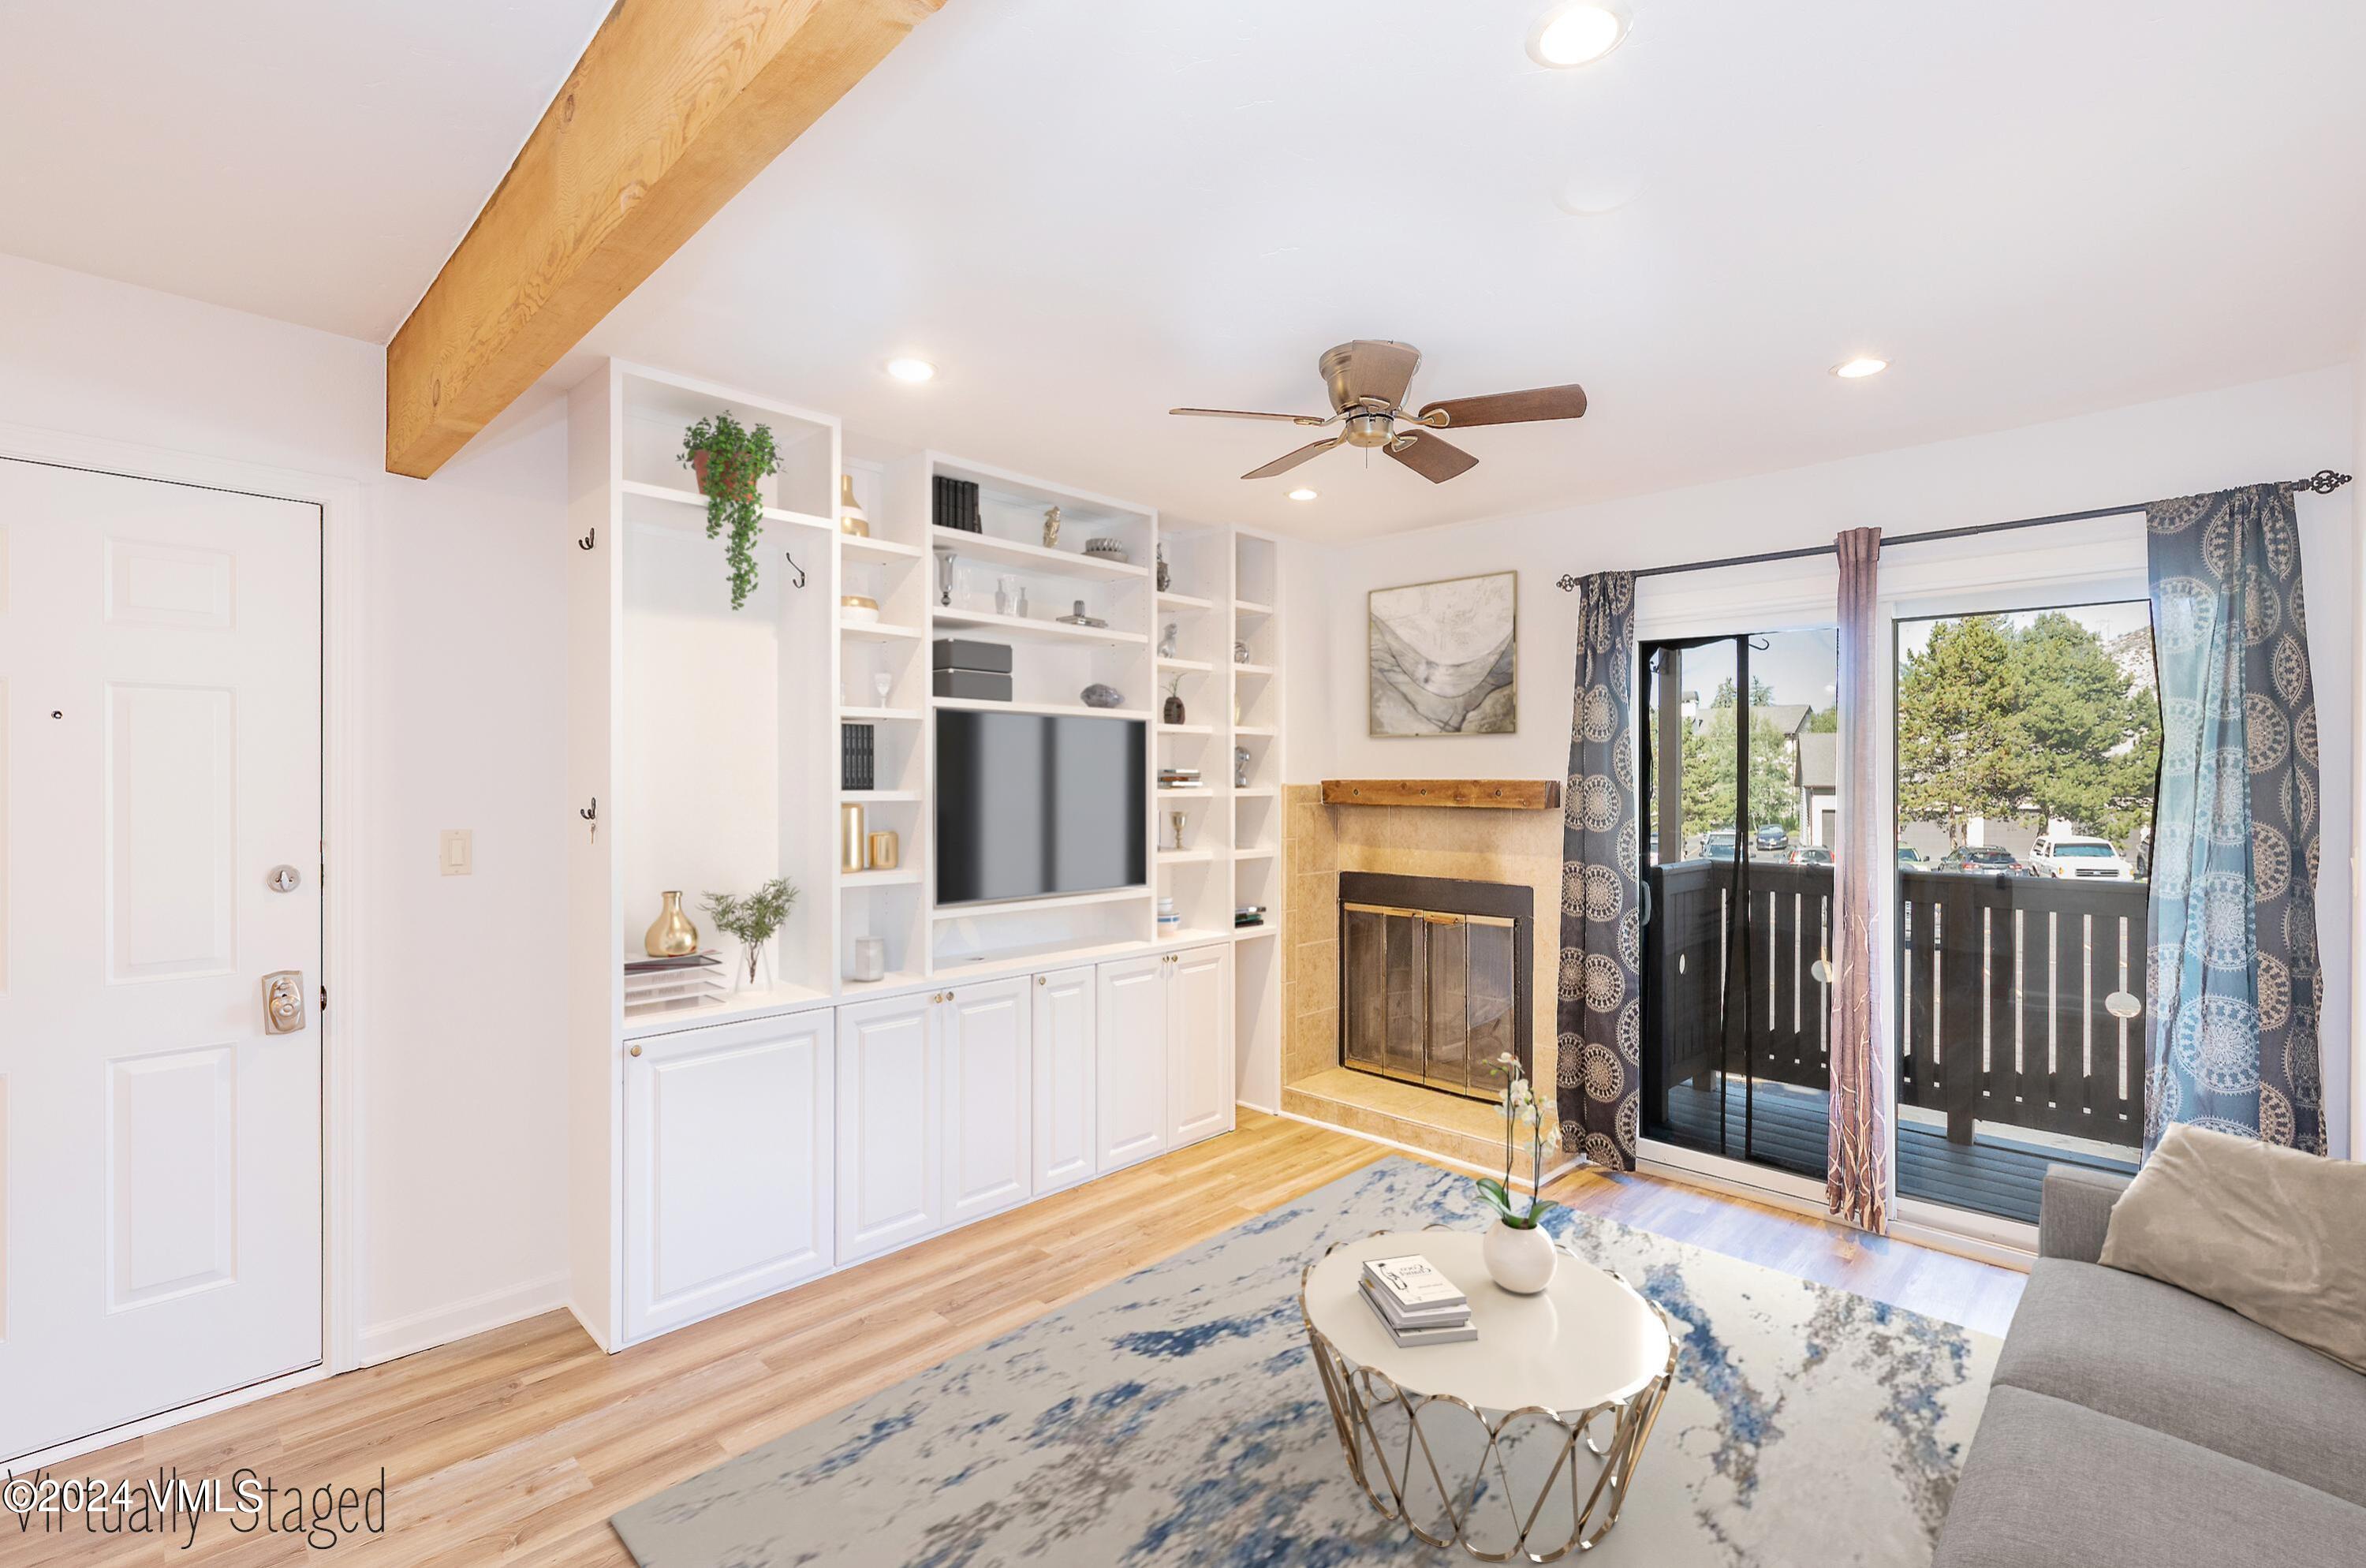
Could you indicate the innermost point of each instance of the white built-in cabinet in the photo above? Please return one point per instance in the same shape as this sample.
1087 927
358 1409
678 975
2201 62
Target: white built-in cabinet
1063 1048
1199 1045
1130 1122
728 1194
804 1120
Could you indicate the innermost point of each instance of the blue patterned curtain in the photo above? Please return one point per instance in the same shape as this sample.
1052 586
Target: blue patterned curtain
2233 968
1599 1019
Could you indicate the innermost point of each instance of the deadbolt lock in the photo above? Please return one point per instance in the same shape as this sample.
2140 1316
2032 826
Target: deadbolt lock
283 1002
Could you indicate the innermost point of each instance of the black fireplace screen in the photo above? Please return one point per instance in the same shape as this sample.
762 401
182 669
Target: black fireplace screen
1434 981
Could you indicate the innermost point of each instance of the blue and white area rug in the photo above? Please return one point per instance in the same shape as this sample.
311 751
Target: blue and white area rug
1174 1418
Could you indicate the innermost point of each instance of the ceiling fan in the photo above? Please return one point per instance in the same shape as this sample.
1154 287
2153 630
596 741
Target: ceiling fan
1366 381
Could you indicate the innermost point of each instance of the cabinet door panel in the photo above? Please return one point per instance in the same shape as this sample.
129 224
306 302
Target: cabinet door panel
988 1109
1129 1100
728 1167
1064 1050
1199 1044
890 1184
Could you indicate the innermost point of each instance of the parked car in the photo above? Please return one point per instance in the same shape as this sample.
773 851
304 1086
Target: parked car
1772 836
1718 845
2070 855
1984 859
1810 854
1909 859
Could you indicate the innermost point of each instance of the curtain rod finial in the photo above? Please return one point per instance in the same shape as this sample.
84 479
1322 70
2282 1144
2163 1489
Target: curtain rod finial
2324 481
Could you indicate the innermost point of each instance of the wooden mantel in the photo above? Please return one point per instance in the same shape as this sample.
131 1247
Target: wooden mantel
1499 795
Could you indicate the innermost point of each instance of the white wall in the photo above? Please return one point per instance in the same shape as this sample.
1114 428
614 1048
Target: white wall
2280 429
462 1211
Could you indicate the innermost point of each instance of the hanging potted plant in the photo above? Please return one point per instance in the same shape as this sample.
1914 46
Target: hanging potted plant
729 460
1518 1251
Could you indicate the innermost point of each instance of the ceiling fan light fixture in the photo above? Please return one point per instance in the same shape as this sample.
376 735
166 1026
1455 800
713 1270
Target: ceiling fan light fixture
912 370
1578 32
1303 494
1857 369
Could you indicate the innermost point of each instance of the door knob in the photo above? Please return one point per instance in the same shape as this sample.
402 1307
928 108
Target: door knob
283 1002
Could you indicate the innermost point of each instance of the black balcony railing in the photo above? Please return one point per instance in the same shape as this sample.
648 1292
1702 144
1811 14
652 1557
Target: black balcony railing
2007 987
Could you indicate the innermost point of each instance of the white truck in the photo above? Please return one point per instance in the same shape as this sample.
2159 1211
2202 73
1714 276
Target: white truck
2068 855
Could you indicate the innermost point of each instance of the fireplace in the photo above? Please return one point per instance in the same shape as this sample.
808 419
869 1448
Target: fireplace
1434 982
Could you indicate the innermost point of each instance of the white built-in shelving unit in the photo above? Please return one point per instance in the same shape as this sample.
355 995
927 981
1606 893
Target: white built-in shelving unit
704 755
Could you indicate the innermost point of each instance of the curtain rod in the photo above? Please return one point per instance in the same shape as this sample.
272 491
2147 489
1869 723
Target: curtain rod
2324 481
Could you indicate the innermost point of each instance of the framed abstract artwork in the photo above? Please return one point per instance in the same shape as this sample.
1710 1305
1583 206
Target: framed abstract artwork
1445 656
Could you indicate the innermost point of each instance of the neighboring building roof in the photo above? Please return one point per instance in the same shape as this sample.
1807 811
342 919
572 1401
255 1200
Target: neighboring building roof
1817 761
1785 717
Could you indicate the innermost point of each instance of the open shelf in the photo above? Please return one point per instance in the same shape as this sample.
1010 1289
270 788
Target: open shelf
1183 934
1184 857
1187 729
881 716
1254 731
893 980
1250 608
1040 558
890 795
1254 855
1188 666
664 497
1255 792
1250 934
902 875
879 549
1032 630
1054 710
1036 905
1251 668
1184 601
879 631
750 1003
1187 792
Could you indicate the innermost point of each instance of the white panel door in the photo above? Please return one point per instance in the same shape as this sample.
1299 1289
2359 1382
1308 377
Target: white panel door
160 754
729 1166
1063 1049
1199 1045
890 1135
984 1054
1130 1068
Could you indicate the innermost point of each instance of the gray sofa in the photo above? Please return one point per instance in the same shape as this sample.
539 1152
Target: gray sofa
2133 1425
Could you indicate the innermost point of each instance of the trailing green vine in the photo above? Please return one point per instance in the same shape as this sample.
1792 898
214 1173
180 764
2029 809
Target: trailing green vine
736 459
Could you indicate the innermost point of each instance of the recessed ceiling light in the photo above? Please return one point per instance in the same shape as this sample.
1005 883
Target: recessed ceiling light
1576 34
1857 369
1301 493
910 369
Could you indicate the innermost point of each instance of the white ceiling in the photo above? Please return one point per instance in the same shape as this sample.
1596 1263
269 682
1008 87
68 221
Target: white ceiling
1087 212
311 159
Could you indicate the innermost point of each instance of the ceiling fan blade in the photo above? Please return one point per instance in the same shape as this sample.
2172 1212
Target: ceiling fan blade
1237 413
1284 464
1433 459
1511 408
1369 368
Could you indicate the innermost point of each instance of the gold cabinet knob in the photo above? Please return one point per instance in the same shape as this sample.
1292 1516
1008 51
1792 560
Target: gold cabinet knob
635 1051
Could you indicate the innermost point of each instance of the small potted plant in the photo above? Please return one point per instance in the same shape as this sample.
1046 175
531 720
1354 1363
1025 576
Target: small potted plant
1518 1251
752 920
729 459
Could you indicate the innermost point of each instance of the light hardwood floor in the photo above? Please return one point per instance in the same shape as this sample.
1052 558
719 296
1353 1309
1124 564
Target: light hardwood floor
514 1447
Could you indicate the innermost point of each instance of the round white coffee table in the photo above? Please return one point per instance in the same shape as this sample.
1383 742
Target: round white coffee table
1559 1390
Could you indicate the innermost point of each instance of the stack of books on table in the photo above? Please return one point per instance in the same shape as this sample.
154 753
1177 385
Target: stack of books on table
1180 778
1416 1304
661 985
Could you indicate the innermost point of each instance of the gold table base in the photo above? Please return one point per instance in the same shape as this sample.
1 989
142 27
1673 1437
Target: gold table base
1389 1467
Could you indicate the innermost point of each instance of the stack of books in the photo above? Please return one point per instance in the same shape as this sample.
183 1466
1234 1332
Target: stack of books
1417 1304
1178 778
662 984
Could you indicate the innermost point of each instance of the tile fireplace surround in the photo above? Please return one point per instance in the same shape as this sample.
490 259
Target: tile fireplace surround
1319 843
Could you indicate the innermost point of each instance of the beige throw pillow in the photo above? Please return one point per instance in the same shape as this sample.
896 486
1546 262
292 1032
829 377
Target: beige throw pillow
2267 1231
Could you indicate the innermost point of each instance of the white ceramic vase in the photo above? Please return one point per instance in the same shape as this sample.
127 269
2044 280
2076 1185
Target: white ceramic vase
1522 1261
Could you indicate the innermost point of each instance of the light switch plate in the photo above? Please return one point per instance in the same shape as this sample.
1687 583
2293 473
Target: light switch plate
459 852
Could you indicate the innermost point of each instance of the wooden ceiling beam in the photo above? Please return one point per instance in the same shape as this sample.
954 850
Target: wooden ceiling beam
675 105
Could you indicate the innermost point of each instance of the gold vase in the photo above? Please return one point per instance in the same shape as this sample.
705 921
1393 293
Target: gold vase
671 934
853 847
884 850
850 518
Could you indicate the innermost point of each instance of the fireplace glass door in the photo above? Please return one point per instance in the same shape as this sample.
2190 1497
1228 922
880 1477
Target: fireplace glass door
1430 997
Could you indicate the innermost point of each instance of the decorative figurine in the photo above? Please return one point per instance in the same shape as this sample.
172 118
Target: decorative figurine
1097 695
1051 529
1240 767
1177 817
1174 708
1166 644
1165 578
946 561
1240 653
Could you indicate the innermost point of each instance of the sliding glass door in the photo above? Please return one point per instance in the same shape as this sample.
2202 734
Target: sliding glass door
2028 743
1741 808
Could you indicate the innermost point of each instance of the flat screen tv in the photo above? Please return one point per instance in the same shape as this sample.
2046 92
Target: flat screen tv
1029 804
